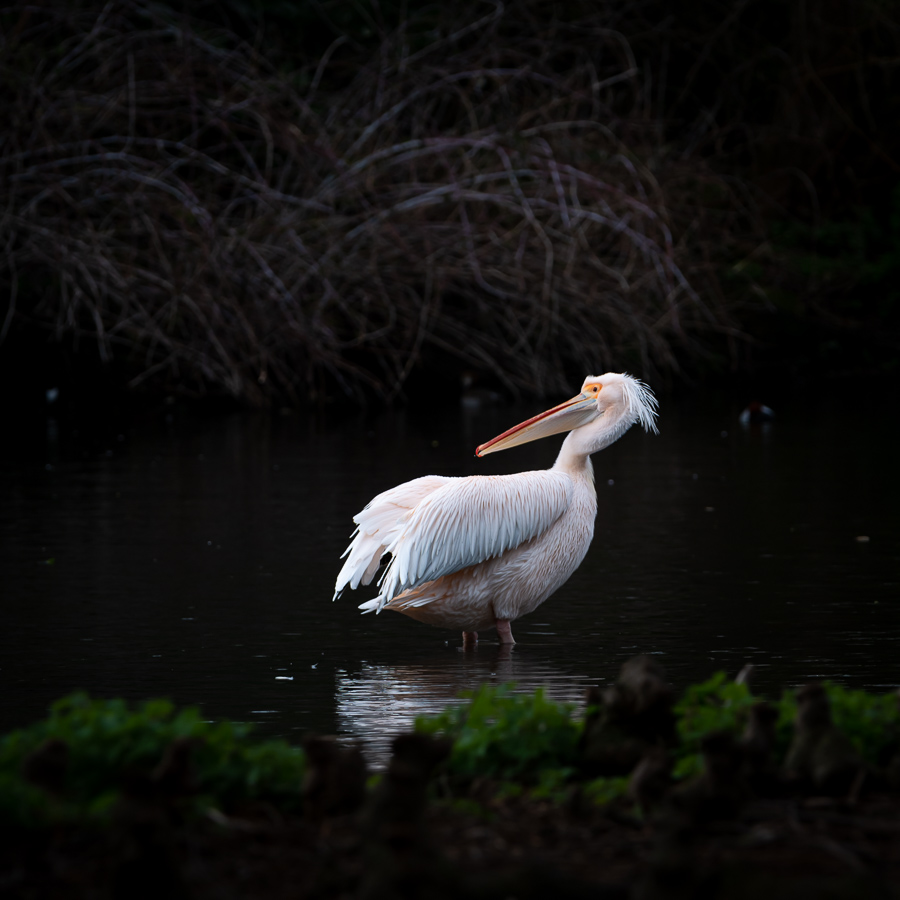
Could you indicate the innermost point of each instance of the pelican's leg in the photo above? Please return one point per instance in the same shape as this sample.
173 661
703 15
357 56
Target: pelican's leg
504 632
470 639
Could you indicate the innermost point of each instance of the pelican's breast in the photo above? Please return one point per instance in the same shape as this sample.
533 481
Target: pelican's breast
535 570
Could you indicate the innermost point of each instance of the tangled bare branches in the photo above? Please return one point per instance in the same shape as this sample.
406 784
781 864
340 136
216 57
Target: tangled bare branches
223 227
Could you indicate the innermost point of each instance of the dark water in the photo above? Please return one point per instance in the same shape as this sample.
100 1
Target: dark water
197 561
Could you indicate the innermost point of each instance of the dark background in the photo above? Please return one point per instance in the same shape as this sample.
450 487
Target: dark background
768 128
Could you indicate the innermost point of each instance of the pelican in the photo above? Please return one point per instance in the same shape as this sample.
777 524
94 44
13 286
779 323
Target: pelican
479 552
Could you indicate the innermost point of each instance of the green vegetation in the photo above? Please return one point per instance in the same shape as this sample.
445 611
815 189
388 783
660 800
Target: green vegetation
718 704
532 740
871 721
502 735
90 756
79 760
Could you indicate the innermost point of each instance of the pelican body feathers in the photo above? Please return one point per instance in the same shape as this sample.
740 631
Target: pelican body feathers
478 552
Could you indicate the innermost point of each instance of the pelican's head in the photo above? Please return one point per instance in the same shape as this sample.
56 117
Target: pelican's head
627 399
611 403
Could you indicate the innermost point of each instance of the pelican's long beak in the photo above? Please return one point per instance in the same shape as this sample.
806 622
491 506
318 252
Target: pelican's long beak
565 417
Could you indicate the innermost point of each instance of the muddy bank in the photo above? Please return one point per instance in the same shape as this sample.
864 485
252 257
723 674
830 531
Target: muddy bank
815 847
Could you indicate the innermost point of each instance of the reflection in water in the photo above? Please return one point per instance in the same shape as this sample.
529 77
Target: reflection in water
381 701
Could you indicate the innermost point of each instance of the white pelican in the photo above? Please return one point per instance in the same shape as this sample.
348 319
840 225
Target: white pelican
478 552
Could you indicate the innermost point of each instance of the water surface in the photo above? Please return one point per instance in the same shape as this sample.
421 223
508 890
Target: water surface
197 561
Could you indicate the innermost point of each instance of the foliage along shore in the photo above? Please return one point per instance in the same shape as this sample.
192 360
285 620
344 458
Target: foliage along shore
506 792
531 193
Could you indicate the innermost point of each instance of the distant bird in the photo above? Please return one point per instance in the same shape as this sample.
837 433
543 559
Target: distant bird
756 413
478 552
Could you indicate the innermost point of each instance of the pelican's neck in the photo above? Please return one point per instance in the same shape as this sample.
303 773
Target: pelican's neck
573 460
575 454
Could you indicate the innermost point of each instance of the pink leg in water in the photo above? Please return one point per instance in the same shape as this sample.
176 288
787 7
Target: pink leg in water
470 639
504 632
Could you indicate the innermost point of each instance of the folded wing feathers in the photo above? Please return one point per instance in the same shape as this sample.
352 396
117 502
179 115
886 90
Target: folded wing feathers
470 520
377 528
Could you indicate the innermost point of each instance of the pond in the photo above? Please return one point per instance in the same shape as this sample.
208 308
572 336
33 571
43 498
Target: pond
196 560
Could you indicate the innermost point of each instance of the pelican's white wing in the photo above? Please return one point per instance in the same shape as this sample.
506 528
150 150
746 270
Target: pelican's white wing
378 526
467 521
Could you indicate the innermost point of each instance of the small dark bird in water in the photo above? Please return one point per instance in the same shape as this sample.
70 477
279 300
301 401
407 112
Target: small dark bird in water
756 413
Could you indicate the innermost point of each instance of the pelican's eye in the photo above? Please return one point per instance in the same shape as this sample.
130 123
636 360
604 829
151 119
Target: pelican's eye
594 389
